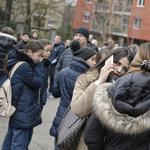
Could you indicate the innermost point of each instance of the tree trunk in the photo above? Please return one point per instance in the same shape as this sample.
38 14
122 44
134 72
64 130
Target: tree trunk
8 11
28 21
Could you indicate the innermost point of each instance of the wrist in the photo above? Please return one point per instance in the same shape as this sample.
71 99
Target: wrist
97 82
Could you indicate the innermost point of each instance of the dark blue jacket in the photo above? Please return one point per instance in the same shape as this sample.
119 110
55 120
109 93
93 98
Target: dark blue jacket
27 112
63 87
56 53
43 91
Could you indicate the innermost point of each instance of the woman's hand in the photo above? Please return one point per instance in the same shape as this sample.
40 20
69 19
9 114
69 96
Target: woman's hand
105 71
41 59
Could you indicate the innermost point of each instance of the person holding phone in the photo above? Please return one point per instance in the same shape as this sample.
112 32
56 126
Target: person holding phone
120 120
86 84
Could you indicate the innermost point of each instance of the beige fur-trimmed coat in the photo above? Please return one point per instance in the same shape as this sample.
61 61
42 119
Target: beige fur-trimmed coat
81 103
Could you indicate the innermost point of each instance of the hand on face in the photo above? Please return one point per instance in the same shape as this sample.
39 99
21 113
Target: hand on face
41 59
105 71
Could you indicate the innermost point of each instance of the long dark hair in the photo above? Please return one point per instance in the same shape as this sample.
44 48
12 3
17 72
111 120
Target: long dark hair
118 54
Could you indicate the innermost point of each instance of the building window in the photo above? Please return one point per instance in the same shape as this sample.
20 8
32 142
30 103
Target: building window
89 1
86 16
52 10
39 22
137 23
21 16
140 3
51 23
125 23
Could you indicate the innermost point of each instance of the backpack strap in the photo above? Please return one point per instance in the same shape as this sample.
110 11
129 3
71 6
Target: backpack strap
20 95
11 74
15 67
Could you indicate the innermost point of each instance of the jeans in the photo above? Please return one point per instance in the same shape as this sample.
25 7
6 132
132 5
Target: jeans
17 139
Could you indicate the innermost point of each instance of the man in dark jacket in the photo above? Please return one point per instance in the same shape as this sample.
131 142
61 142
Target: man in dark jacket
57 50
82 35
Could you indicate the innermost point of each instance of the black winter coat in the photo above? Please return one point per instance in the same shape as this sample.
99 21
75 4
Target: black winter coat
64 60
6 44
21 44
121 119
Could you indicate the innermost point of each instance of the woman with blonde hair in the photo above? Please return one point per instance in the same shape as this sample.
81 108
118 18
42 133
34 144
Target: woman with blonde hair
121 111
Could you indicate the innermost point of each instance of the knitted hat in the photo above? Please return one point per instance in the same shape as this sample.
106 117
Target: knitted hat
83 52
84 31
26 33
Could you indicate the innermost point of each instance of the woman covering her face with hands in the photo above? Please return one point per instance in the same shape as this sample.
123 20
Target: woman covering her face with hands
86 84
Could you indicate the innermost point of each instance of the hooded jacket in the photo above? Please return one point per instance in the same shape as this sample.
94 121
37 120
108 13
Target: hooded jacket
63 87
121 119
28 113
6 44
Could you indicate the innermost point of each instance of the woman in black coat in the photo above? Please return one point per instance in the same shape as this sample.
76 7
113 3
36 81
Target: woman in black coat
7 40
121 117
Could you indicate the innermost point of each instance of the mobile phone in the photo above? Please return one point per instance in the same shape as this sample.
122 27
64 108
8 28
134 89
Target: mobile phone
111 58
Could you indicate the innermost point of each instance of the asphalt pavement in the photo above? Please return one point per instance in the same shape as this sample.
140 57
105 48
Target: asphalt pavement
41 139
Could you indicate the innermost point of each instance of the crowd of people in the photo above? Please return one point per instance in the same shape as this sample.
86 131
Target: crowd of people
114 95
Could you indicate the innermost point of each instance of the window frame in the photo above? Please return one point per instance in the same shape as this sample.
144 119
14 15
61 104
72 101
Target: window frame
86 14
138 22
49 24
140 3
89 1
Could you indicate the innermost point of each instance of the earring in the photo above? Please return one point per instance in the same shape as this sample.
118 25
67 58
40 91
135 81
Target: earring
147 67
143 64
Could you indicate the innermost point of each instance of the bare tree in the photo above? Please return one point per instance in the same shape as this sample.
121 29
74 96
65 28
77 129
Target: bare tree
109 16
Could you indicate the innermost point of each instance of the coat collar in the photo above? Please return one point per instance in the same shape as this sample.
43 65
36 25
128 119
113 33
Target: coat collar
14 56
112 119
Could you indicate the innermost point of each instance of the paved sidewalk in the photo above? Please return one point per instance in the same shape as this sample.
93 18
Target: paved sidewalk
41 139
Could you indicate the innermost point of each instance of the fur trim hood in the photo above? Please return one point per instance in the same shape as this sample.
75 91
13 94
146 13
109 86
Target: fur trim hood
112 119
8 36
14 56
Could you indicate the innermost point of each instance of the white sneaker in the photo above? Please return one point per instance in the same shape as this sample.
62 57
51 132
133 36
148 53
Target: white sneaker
51 96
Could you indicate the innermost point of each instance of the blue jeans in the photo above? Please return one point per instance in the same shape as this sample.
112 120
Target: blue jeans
17 139
3 77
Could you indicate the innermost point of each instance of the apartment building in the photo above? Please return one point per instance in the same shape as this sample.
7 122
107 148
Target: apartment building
139 24
104 18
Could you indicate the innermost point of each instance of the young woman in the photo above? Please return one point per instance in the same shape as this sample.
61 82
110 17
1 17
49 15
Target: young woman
47 51
86 84
27 114
65 80
122 112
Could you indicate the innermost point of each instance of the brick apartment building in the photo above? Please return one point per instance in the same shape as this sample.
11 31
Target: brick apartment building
133 26
83 14
139 24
